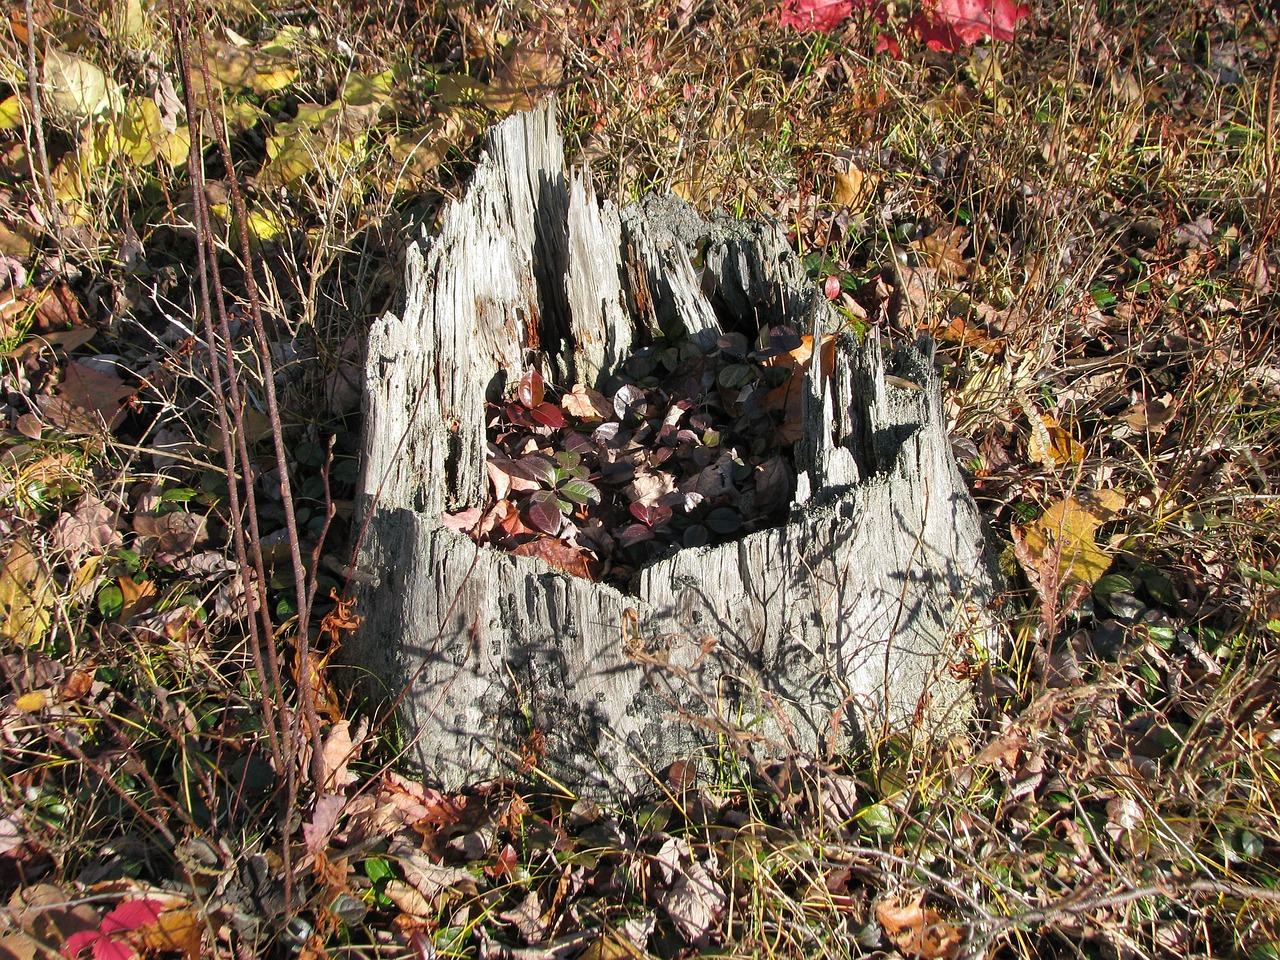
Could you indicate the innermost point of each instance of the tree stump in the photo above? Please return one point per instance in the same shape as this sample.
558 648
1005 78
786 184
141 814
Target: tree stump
841 623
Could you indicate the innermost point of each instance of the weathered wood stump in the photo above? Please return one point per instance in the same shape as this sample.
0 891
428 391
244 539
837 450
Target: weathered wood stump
795 638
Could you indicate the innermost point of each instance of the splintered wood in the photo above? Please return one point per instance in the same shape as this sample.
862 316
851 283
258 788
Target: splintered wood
842 619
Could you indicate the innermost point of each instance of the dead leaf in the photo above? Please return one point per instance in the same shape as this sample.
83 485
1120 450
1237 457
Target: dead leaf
1062 540
586 404
76 88
1050 444
1151 416
854 187
324 820
561 555
91 529
695 903
943 251
918 931
527 917
26 595
138 597
337 752
176 532
89 399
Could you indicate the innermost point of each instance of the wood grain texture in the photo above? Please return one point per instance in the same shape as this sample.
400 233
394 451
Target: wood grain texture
801 637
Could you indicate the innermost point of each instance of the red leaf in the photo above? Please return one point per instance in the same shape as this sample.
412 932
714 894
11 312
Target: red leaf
549 415
532 389
105 948
544 512
651 516
78 941
822 16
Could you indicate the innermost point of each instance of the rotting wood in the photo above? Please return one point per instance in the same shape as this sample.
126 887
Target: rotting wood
798 638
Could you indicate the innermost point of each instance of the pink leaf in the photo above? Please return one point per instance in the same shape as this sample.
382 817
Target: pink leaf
131 915
78 941
105 948
952 24
822 16
463 521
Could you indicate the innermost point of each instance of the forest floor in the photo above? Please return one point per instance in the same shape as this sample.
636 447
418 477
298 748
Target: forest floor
1079 202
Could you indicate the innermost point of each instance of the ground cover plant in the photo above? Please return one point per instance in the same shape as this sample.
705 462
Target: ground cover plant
202 208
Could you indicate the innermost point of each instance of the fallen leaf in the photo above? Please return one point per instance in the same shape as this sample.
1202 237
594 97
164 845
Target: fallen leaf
1062 540
89 399
1050 444
821 16
562 556
943 251
76 88
90 529
918 931
695 902
26 595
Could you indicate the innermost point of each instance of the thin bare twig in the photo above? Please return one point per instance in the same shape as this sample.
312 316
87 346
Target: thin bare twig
37 119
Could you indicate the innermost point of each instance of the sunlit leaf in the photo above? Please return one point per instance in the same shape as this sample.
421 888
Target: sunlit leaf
1062 540
580 491
11 112
77 88
532 389
544 512
549 415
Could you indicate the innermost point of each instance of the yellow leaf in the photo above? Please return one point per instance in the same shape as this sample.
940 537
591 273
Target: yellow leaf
264 225
26 595
126 20
290 157
141 131
176 147
11 113
77 88
359 90
32 702
1063 538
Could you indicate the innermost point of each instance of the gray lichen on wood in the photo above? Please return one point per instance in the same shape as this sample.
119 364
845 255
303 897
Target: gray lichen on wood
792 638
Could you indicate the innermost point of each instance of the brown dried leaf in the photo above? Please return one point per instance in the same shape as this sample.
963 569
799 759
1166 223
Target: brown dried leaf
175 532
586 404
88 399
561 555
918 931
1050 444
944 250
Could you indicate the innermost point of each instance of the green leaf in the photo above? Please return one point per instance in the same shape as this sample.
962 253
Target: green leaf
580 491
110 601
737 375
